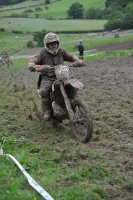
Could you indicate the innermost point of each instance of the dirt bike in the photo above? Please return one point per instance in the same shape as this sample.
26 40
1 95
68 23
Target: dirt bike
67 105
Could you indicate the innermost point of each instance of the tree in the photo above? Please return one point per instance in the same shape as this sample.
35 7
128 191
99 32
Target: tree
115 20
39 37
47 1
115 7
121 14
122 3
93 13
128 20
36 15
108 3
116 15
9 2
129 7
113 24
76 11
15 1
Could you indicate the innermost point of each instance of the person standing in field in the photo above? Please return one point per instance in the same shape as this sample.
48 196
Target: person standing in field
81 50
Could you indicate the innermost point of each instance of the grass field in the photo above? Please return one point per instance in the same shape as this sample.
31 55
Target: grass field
33 25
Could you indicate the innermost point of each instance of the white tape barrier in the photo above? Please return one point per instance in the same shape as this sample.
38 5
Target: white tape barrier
31 181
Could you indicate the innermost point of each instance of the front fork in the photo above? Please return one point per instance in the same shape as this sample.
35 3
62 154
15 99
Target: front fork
67 103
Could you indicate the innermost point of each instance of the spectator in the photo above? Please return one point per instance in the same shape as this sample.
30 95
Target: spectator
81 50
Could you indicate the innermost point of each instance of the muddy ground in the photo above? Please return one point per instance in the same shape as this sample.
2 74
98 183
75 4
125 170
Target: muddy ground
109 93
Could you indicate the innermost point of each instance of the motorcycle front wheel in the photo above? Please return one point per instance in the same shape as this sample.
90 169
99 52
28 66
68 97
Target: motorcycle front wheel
82 125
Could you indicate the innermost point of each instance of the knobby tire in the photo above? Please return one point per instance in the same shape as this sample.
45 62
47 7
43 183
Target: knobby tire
82 127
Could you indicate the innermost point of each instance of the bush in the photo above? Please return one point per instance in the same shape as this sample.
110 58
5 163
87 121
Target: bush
30 44
36 15
28 11
116 15
93 13
128 20
14 15
24 15
47 1
17 32
2 30
39 36
38 9
46 7
114 24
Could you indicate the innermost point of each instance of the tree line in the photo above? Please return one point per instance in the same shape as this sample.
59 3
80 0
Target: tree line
119 13
11 2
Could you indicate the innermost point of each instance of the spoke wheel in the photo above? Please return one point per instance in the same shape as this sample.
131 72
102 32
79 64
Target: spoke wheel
82 125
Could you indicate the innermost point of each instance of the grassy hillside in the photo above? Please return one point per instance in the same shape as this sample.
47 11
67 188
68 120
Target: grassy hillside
36 21
56 10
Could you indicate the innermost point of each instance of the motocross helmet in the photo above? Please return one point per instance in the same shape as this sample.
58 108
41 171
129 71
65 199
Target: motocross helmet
49 38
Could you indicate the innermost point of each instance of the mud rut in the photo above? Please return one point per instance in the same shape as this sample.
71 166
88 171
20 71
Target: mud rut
109 93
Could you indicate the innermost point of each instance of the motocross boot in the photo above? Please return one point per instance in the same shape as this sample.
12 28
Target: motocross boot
47 112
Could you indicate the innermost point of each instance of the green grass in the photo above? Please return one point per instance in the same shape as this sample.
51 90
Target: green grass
107 55
56 177
33 25
90 42
13 45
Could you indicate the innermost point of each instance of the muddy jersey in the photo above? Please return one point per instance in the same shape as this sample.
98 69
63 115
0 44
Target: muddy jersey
46 58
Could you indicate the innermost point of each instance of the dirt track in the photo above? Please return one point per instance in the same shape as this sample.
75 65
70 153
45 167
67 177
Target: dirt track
116 46
109 93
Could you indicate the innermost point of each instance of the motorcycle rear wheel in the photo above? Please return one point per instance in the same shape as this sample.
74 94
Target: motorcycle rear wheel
82 125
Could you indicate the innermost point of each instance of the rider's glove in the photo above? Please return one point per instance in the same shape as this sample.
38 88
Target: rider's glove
32 67
44 68
50 68
78 63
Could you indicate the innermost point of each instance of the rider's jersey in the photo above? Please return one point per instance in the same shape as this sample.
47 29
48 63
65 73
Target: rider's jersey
46 58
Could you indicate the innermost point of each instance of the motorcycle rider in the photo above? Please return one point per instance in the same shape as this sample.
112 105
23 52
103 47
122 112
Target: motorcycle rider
44 62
